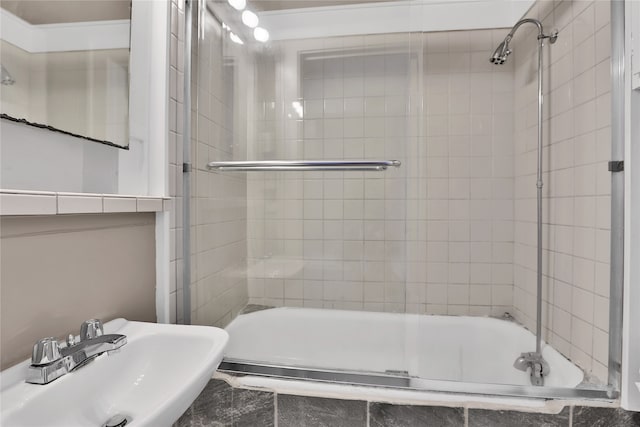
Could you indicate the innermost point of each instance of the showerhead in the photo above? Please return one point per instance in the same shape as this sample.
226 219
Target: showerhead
5 77
502 51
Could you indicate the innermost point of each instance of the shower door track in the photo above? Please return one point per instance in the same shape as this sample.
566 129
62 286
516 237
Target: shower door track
242 368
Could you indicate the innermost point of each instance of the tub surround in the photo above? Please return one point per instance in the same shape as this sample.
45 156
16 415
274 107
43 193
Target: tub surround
60 270
225 405
464 256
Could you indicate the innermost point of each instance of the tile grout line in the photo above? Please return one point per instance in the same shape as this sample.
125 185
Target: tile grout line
466 416
571 415
275 409
368 422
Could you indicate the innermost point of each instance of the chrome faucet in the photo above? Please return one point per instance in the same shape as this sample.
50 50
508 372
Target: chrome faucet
50 359
534 361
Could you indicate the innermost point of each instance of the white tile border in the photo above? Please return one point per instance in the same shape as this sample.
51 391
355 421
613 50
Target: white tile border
28 204
21 202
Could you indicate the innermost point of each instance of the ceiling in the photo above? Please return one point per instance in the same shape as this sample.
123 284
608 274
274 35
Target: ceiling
264 5
38 12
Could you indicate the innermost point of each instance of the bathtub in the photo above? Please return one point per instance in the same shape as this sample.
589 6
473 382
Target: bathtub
465 349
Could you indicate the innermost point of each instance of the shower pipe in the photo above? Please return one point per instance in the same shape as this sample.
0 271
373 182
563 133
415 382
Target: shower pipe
539 367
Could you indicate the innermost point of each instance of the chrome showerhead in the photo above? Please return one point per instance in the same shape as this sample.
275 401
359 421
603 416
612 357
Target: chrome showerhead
502 51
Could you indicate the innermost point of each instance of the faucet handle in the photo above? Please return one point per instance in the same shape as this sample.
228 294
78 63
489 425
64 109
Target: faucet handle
45 351
90 329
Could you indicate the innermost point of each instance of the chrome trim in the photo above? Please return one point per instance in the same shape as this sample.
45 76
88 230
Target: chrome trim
71 358
617 194
533 362
91 329
186 172
322 375
240 367
303 165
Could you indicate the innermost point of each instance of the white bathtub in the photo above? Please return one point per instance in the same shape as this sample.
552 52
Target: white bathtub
466 349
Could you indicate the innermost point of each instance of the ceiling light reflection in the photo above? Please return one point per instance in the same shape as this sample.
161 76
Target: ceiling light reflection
250 19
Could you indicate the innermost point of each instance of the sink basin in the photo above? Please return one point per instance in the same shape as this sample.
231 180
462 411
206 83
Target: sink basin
152 380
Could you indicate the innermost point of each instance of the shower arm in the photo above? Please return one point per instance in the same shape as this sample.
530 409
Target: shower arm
552 37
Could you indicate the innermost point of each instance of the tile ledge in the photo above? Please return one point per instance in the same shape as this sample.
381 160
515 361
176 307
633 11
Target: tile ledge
48 195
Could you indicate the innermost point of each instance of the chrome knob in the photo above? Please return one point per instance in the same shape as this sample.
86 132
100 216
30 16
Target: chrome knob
45 351
90 329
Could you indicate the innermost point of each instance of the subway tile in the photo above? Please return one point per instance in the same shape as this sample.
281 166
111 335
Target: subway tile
119 204
149 205
79 204
583 22
28 204
603 44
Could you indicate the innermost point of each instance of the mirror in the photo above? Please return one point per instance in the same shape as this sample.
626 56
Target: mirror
65 67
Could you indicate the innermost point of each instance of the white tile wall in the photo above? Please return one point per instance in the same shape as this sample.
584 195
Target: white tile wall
577 185
434 236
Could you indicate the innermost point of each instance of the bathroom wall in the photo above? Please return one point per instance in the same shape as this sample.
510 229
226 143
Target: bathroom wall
219 200
58 271
436 235
577 188
332 239
468 163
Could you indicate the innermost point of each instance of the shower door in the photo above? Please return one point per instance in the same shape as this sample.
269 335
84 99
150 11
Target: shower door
341 270
331 242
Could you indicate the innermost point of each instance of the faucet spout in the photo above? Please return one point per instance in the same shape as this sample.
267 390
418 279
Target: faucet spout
51 360
80 354
539 368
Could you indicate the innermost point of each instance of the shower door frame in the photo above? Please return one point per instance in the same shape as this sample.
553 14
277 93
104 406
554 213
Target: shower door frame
617 192
608 392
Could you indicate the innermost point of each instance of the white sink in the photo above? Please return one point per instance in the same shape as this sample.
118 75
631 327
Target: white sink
152 380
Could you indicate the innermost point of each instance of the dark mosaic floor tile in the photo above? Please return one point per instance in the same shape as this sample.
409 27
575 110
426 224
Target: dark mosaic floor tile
301 411
213 405
585 416
220 405
387 415
185 419
487 418
252 408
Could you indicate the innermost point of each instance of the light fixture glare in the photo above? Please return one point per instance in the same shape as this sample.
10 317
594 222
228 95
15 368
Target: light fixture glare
234 38
261 34
238 4
250 19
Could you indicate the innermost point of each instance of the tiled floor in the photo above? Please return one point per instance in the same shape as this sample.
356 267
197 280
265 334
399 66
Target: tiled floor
221 405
